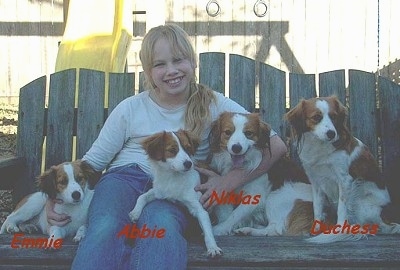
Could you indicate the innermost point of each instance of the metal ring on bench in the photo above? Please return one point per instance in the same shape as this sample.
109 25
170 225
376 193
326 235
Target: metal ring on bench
210 5
257 6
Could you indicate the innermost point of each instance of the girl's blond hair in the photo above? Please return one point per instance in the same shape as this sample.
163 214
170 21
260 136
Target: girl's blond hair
200 97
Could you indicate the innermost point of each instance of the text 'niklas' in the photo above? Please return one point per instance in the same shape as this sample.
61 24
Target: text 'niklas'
233 198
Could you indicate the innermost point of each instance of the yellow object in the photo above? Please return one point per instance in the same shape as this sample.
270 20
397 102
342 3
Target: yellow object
97 35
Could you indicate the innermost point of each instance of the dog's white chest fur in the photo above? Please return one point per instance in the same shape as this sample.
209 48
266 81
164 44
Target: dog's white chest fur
324 164
175 185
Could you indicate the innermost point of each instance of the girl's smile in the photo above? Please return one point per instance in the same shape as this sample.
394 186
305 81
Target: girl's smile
171 73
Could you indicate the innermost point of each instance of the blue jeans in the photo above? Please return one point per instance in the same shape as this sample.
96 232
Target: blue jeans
114 197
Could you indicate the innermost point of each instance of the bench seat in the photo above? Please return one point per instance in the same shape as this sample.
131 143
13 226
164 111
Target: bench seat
240 252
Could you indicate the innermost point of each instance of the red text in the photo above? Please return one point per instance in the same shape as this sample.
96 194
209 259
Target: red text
132 231
233 198
345 228
19 241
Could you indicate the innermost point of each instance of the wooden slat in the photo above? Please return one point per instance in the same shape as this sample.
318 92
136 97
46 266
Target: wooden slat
121 86
389 96
242 81
10 169
301 86
90 109
30 133
212 70
141 82
272 84
362 108
60 117
246 252
333 83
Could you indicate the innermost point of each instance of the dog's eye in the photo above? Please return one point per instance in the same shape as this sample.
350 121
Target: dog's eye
62 181
172 151
228 132
249 134
317 118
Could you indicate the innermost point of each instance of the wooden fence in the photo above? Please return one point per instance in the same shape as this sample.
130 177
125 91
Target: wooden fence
373 102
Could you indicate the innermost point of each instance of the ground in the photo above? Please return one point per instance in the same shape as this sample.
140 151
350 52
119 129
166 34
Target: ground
8 135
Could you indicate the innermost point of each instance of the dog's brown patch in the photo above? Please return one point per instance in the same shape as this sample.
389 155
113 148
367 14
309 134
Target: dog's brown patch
365 167
301 218
188 141
163 145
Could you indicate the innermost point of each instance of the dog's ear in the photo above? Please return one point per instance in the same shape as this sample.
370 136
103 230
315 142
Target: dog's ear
155 145
46 182
296 118
89 173
264 136
188 140
341 111
214 138
340 121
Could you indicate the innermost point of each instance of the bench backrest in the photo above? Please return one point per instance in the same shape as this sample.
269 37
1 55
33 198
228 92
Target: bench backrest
78 105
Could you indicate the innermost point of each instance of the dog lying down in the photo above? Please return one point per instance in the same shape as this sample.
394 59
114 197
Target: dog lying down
69 184
175 179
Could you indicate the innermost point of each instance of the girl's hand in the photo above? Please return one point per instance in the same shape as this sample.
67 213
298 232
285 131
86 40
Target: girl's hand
53 218
215 184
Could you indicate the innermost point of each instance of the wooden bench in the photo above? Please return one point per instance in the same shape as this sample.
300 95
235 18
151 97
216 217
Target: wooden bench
64 126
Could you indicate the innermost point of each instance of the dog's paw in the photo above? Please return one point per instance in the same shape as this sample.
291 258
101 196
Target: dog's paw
243 231
29 228
78 238
214 252
134 215
221 230
11 228
80 234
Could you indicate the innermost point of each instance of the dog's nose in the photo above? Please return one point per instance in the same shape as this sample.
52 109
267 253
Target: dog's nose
76 195
187 164
330 134
236 148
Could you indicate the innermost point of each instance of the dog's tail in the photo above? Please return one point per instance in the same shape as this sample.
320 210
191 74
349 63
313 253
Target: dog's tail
331 238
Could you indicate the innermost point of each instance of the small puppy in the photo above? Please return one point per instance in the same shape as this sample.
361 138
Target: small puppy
240 141
175 179
68 184
342 171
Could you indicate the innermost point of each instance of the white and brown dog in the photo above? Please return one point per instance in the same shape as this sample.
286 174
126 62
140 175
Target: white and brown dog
175 178
342 171
66 183
240 141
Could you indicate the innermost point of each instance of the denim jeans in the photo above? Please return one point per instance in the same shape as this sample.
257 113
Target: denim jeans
114 197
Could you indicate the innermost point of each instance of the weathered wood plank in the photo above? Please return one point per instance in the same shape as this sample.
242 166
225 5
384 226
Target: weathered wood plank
301 86
362 108
333 83
10 169
141 82
30 134
246 252
60 117
90 109
272 85
389 96
121 86
212 70
242 81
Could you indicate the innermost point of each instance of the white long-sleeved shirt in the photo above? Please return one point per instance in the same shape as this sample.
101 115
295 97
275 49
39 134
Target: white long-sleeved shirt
138 117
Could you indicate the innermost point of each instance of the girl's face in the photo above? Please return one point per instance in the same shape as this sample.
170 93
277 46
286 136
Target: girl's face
171 73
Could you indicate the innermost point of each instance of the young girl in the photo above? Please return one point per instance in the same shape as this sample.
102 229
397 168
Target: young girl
174 100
